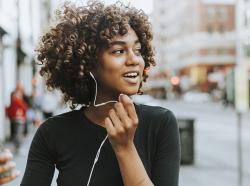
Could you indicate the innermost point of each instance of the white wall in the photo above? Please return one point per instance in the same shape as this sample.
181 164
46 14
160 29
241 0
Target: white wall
2 111
30 28
8 15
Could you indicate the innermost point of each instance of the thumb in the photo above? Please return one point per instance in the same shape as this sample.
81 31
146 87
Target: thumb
123 98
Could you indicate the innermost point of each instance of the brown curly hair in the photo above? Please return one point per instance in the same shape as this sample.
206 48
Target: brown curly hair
68 51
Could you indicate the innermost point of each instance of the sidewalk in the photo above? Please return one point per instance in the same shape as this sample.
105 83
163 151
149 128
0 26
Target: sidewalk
215 144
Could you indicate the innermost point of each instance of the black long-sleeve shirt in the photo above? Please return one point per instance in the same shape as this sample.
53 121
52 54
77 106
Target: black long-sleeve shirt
70 141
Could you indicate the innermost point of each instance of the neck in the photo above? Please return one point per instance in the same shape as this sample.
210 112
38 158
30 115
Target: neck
98 114
104 99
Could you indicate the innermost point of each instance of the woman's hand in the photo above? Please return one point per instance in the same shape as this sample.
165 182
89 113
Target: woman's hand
7 167
121 124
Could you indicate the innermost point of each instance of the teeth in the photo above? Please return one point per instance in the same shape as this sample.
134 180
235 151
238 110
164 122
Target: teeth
133 74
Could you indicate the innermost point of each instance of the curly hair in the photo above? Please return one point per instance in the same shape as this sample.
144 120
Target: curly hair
68 51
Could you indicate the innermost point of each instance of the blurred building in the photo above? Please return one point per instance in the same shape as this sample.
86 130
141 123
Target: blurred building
246 30
21 22
242 70
195 39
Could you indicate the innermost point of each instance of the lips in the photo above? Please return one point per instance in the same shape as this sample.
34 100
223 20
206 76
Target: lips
132 77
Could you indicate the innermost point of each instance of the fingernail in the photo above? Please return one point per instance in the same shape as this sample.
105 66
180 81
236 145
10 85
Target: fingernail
12 164
120 96
127 98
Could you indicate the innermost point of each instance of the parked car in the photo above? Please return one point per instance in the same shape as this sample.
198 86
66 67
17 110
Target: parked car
146 100
197 97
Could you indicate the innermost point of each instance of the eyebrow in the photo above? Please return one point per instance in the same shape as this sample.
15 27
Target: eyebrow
120 43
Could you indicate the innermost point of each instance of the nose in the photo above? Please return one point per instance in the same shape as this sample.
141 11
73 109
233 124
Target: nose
133 58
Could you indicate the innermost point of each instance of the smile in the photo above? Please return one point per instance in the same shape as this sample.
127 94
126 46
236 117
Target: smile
132 77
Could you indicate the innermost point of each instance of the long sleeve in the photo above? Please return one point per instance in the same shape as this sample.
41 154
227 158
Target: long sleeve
166 162
41 162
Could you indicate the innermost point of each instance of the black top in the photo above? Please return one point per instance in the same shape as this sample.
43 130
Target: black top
70 141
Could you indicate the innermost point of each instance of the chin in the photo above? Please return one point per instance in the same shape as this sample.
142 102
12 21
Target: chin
130 92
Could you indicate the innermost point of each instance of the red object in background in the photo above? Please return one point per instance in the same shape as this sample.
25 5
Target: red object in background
17 109
175 80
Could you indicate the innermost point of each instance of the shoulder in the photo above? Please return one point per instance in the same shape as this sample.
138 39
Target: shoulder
58 121
157 123
155 113
156 118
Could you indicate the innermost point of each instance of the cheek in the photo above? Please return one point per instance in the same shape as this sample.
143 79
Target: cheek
118 61
114 65
109 64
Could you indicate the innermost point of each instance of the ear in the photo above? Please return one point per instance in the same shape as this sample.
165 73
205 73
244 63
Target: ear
146 69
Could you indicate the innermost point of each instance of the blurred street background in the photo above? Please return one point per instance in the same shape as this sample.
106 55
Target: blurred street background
202 75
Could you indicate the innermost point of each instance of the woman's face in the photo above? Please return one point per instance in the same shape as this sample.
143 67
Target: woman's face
120 66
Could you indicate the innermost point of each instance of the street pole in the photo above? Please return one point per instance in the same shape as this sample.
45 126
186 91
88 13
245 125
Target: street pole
241 106
239 148
241 84
2 85
2 107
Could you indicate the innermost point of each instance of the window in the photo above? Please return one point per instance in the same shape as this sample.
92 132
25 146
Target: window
221 51
222 13
247 50
210 12
212 51
247 18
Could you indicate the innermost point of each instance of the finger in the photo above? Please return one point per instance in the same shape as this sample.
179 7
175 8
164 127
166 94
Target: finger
14 174
115 120
109 127
129 107
5 156
7 167
122 114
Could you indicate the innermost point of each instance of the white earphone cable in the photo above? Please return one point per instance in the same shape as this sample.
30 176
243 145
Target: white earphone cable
96 159
100 104
99 150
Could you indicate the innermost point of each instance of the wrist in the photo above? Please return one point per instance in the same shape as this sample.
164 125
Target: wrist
125 151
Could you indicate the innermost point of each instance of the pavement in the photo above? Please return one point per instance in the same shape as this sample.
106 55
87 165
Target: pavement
215 160
216 135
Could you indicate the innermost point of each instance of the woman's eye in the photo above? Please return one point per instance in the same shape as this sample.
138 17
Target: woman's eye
138 51
118 51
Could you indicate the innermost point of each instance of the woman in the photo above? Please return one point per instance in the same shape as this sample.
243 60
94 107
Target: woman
17 115
98 57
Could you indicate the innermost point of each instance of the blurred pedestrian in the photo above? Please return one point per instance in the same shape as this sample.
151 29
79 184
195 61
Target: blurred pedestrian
49 104
17 115
97 56
34 114
7 167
